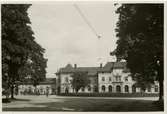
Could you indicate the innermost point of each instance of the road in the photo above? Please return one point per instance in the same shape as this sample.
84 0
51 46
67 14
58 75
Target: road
64 103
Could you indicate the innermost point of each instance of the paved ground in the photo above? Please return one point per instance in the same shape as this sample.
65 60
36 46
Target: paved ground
58 103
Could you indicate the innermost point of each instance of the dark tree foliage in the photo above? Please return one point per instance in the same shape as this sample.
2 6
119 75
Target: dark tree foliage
80 79
22 57
140 41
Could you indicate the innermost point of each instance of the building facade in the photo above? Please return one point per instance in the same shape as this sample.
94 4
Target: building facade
114 77
48 86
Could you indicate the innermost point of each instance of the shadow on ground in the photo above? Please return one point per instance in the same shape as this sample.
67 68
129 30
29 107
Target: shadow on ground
4 100
105 105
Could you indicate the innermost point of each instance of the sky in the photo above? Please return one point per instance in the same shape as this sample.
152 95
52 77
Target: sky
62 32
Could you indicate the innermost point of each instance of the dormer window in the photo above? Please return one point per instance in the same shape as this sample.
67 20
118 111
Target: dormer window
118 78
126 78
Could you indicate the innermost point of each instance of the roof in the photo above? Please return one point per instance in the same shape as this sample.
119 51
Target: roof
89 70
46 81
114 65
109 66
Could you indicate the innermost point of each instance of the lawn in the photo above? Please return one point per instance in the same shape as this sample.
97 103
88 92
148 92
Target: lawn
55 103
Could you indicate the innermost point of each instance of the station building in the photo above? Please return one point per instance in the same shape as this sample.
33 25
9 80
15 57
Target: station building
113 77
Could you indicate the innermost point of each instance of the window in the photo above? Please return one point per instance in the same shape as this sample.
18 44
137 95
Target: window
118 88
83 89
156 88
66 79
149 89
126 88
103 78
109 78
41 89
95 89
103 88
117 78
67 90
89 88
126 79
110 88
134 89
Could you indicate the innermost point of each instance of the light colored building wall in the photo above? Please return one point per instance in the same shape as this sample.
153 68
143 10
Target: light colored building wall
42 88
65 82
154 88
86 89
109 79
105 79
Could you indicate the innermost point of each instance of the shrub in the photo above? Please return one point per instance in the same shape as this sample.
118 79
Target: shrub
110 94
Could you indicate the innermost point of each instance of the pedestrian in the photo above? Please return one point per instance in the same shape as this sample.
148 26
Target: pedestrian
47 91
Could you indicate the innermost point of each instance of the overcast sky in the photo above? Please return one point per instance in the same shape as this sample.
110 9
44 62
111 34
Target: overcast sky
60 29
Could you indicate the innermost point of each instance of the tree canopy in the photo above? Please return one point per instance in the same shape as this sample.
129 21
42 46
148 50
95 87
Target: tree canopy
140 41
22 56
80 79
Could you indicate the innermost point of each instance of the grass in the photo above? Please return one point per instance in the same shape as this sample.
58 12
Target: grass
85 104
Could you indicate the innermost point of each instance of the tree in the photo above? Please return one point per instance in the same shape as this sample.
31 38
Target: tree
19 46
140 41
80 79
34 70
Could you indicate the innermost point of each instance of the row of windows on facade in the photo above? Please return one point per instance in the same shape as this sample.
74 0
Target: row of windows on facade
118 88
155 89
67 80
41 89
47 87
117 78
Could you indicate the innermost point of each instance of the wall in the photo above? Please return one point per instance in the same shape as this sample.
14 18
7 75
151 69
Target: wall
125 79
30 89
67 84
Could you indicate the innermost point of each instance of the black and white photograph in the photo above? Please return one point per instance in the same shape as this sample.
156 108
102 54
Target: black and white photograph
83 56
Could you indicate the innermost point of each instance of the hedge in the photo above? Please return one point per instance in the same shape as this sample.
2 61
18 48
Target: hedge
111 94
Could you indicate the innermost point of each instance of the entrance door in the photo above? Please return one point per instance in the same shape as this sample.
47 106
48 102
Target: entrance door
66 90
110 88
118 88
134 89
126 88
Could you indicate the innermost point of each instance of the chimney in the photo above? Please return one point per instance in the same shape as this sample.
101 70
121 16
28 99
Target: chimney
101 65
75 65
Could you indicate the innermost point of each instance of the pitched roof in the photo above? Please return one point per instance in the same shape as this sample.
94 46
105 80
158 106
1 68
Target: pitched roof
68 66
90 70
93 70
46 81
112 65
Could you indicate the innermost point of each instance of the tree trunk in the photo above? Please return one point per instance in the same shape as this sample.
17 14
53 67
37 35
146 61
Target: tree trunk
160 90
76 90
12 91
161 79
13 69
